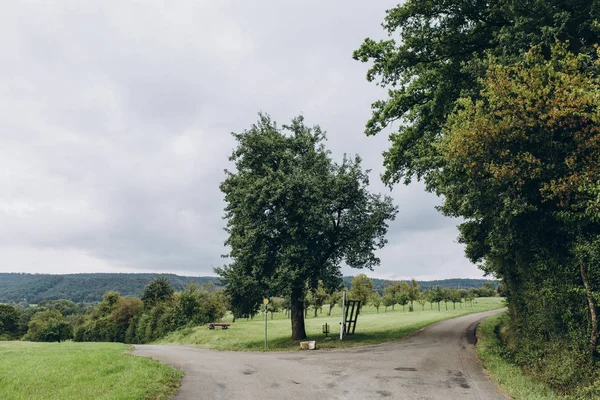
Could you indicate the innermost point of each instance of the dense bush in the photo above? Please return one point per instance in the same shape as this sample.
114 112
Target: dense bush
48 326
111 320
131 320
195 305
9 322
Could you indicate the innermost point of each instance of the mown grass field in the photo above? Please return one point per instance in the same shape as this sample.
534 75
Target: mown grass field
372 327
509 377
64 371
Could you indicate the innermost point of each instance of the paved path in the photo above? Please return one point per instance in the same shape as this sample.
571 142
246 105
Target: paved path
438 362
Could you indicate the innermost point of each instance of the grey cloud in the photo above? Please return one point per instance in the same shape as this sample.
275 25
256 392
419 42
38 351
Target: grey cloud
116 119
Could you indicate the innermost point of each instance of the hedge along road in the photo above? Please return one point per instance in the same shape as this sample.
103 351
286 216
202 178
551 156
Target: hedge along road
438 362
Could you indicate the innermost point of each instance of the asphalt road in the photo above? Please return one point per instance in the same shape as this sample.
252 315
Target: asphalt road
437 362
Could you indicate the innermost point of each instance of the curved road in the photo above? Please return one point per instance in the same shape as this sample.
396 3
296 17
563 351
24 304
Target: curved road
437 362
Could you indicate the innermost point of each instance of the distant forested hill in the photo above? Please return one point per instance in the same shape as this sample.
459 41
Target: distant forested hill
456 283
89 288
86 288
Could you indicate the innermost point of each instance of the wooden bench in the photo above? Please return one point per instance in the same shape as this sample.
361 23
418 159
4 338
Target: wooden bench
223 326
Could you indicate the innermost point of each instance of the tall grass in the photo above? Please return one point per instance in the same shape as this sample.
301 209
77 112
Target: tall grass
509 377
372 327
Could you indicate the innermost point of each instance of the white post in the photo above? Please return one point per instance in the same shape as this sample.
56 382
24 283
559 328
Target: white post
265 327
342 324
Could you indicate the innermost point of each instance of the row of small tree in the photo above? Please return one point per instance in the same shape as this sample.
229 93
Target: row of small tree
407 293
396 293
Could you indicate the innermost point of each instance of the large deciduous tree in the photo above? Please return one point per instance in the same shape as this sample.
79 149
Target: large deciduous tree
293 215
522 167
436 52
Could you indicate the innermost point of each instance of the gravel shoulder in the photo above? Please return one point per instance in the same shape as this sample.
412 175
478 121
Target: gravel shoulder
438 362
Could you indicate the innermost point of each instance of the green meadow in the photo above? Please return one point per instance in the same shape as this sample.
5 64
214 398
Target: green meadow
372 327
63 371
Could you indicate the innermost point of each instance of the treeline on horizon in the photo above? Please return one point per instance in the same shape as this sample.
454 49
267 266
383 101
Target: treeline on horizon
90 287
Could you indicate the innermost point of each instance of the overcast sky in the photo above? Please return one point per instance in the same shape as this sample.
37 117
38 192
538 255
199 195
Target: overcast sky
116 118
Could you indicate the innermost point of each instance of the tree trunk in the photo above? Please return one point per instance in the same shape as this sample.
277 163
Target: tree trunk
393 307
297 314
592 307
316 309
329 313
412 307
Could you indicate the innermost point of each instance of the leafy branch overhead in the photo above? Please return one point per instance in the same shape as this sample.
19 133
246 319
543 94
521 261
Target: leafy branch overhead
436 53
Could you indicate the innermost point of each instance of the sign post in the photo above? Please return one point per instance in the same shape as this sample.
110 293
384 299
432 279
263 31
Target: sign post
266 302
343 323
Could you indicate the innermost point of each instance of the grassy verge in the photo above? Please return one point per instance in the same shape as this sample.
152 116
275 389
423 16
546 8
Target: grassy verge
69 370
509 377
372 327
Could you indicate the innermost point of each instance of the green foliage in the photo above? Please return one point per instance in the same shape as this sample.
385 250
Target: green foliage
437 295
157 291
486 291
361 290
333 298
199 305
413 293
275 305
503 123
389 299
82 288
380 284
89 288
9 322
48 326
520 166
510 377
65 307
317 297
422 300
438 50
196 305
111 321
293 215
375 300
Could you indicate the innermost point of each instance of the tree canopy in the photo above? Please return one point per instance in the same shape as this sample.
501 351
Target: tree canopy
293 215
362 288
438 50
521 165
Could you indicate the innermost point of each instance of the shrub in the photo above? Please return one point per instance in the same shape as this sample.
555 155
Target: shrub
9 322
48 326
